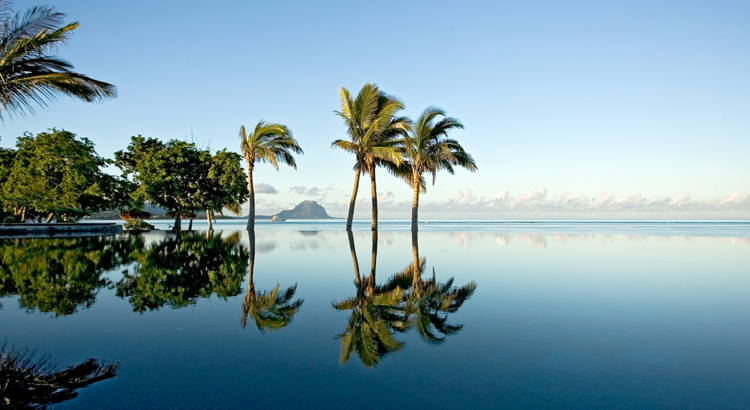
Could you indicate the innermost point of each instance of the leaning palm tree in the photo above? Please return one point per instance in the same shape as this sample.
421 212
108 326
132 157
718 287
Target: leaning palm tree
372 125
427 148
269 310
28 74
268 142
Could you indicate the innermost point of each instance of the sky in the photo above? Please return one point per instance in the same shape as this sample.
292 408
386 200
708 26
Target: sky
579 109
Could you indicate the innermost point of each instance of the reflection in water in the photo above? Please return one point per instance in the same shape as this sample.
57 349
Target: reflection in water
61 275
269 310
377 313
429 302
29 384
406 301
182 268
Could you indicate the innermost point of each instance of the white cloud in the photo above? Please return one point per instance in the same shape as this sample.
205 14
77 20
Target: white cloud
300 190
264 188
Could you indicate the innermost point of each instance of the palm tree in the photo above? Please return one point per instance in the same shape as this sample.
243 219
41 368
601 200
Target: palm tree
27 73
427 148
269 142
372 126
269 310
376 314
37 384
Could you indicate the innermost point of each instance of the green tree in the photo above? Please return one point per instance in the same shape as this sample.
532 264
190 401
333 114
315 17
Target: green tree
268 142
168 174
56 174
60 276
268 310
427 149
377 313
223 187
28 73
7 156
372 126
182 268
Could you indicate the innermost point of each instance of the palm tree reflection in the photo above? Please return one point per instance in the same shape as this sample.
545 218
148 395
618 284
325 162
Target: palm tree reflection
269 310
377 313
406 301
429 302
30 384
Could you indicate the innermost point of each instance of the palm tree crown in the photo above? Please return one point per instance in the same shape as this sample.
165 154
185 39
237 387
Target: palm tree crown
372 125
427 149
27 73
268 142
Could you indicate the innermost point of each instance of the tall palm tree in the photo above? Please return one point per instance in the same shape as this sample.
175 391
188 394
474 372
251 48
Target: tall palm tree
28 74
427 149
372 125
269 142
269 310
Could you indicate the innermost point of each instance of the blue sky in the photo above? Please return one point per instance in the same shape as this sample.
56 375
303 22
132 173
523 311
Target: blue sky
618 109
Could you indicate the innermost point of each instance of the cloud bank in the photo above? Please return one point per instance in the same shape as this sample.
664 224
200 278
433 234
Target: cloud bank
540 204
300 190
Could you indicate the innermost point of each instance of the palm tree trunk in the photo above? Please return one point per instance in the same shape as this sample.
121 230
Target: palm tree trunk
350 218
357 278
374 193
415 207
49 217
178 220
190 226
251 208
210 223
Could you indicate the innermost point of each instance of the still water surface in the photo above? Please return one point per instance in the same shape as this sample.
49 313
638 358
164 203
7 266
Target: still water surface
461 319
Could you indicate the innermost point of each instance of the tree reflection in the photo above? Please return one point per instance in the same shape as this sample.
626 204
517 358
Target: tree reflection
180 269
377 313
406 301
268 310
29 384
61 275
428 302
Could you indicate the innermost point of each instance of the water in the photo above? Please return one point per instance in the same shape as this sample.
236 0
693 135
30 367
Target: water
550 316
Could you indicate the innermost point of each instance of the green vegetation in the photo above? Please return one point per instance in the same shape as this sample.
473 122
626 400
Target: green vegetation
28 74
268 142
182 178
180 269
56 175
427 148
372 125
38 384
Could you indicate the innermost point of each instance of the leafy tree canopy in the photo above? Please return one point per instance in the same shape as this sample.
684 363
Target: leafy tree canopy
57 174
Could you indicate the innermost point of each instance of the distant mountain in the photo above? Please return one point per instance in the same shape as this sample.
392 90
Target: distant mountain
305 210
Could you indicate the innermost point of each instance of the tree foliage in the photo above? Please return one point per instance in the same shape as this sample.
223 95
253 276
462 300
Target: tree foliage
28 73
58 174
